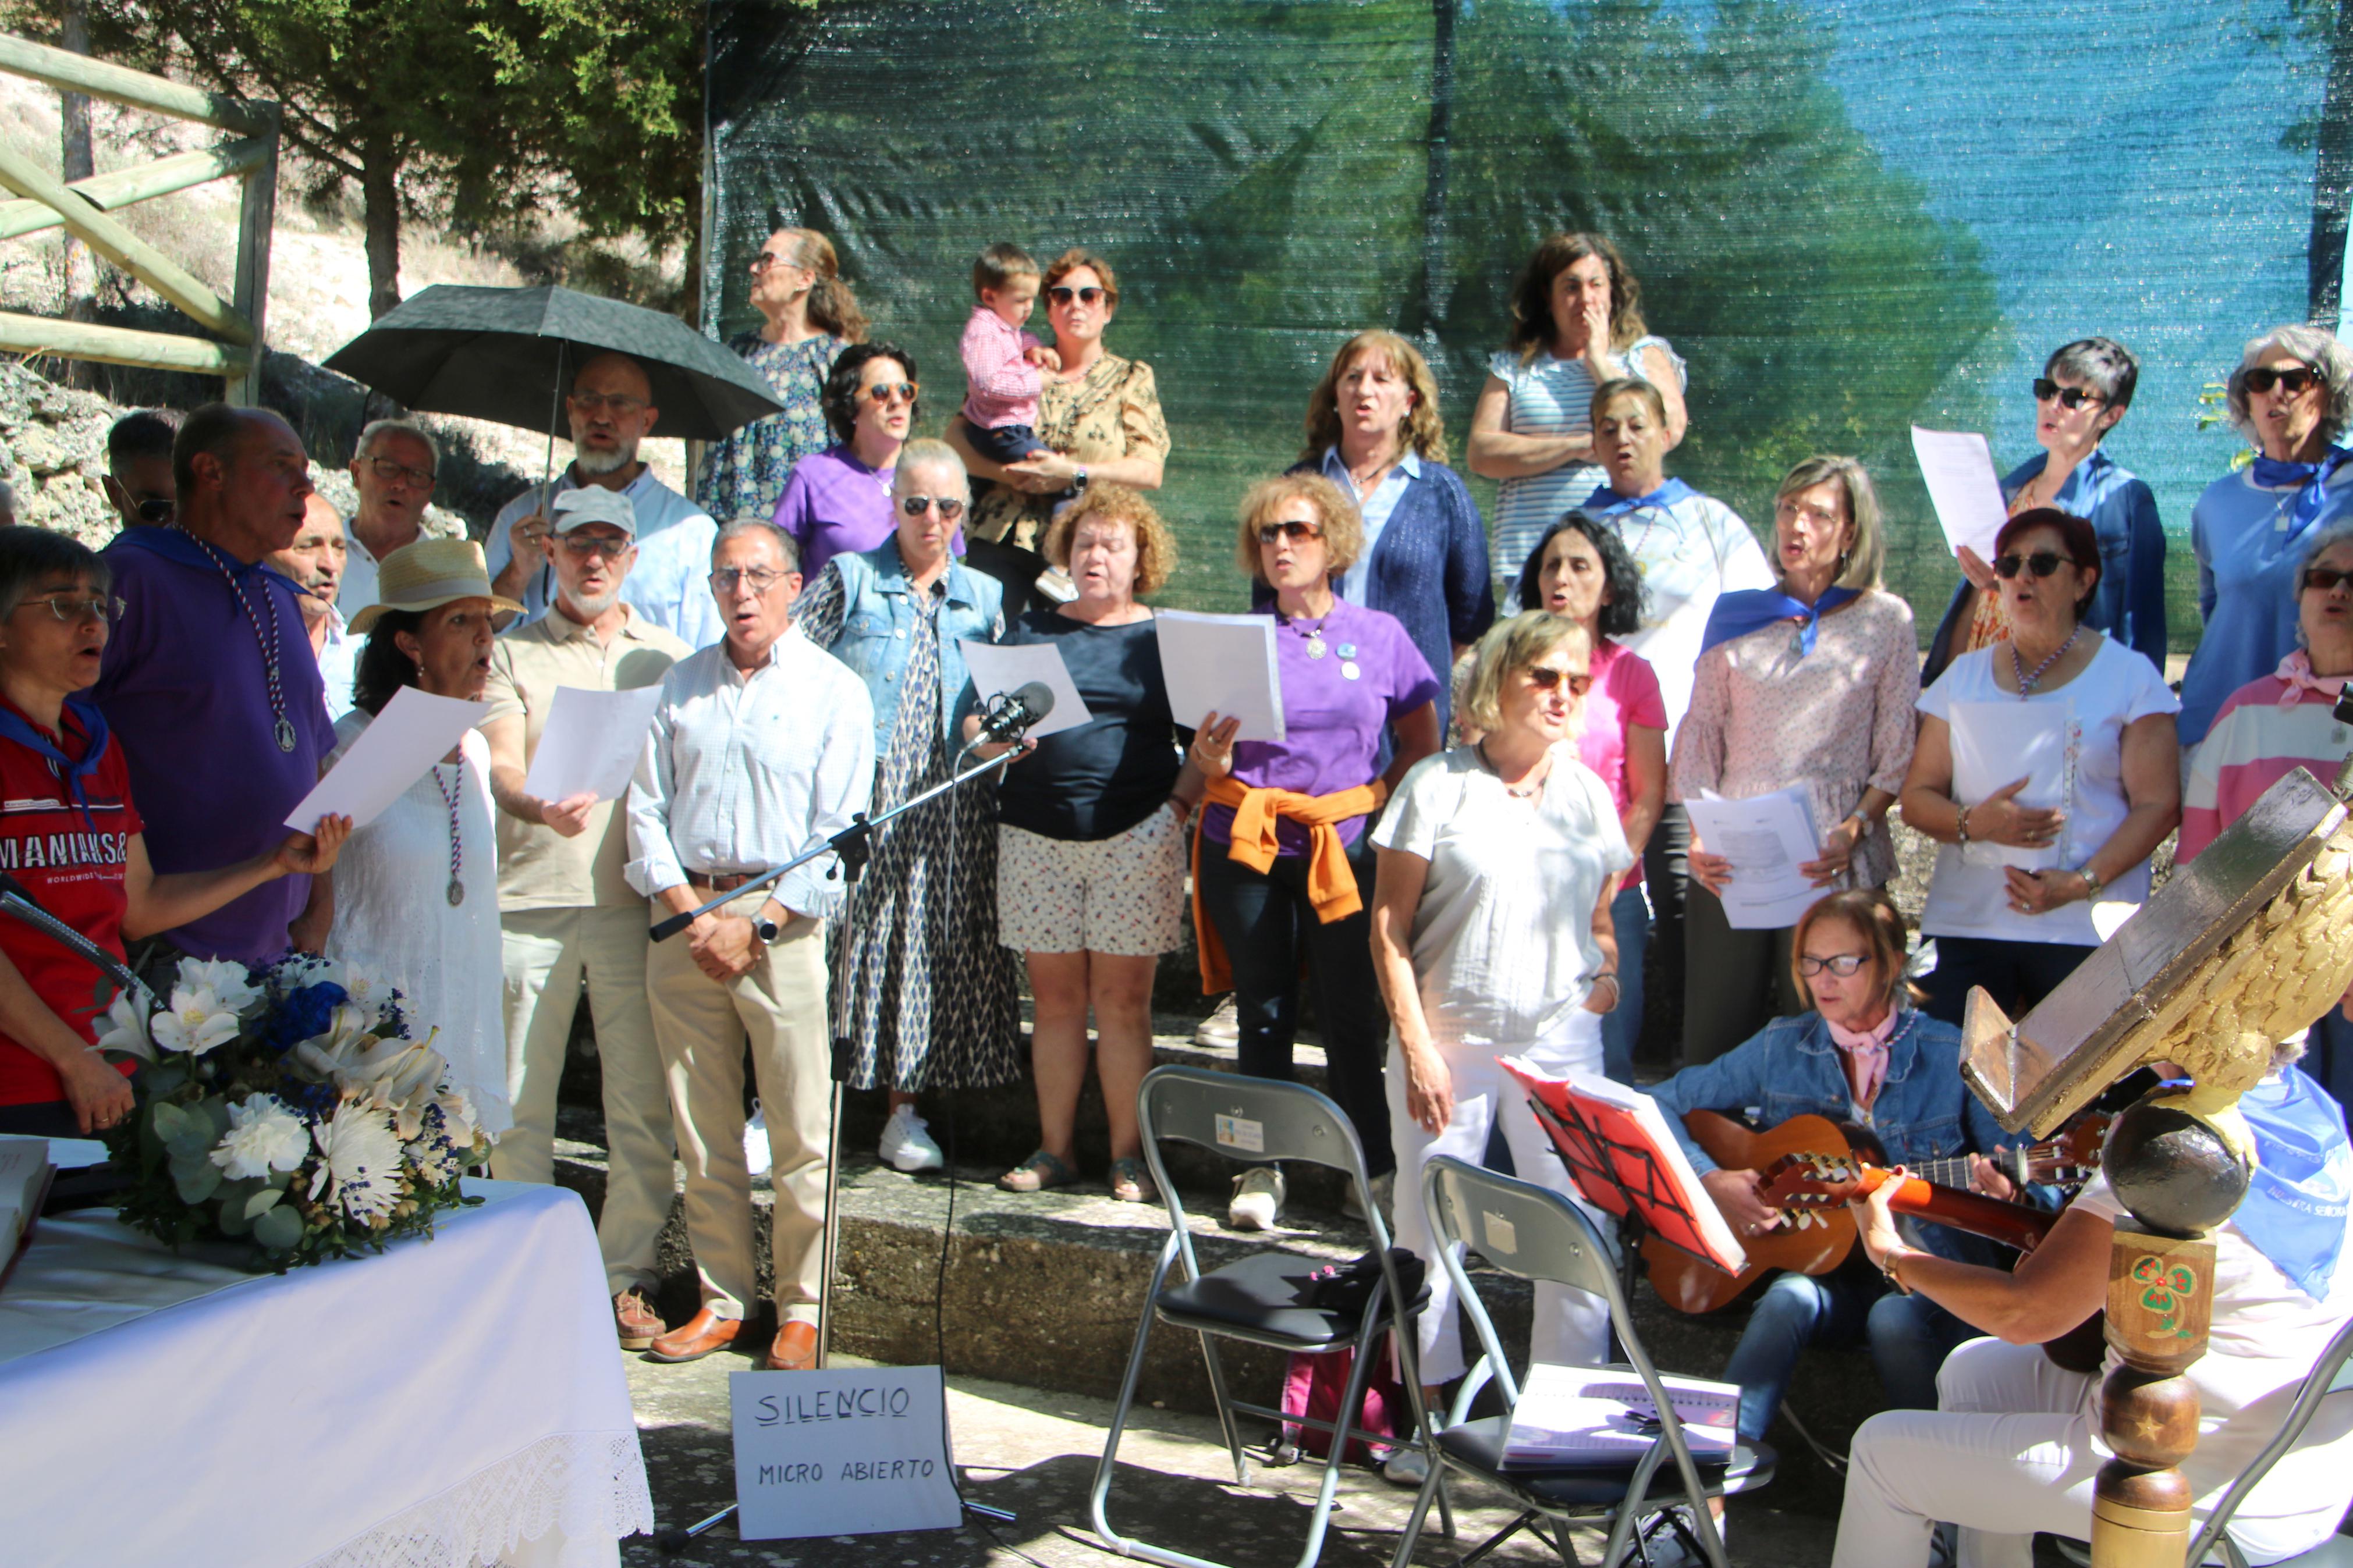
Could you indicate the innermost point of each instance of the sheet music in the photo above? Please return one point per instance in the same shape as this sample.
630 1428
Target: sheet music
1222 665
1958 466
1766 838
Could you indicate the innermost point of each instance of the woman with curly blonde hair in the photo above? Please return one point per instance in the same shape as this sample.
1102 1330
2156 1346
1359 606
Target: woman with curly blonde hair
1373 430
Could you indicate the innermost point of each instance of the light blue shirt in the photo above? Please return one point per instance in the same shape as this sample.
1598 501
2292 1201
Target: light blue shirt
659 507
670 583
2248 563
339 663
1375 508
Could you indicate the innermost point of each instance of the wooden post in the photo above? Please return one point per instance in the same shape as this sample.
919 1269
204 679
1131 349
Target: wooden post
257 211
2160 1304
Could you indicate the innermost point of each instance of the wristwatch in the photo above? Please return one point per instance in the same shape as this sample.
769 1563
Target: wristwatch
1079 480
765 929
2092 882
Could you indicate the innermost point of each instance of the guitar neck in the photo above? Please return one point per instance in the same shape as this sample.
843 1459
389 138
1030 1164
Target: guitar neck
2013 1224
1953 1173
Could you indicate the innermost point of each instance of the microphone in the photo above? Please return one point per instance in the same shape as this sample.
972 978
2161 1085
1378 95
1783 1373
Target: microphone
1011 713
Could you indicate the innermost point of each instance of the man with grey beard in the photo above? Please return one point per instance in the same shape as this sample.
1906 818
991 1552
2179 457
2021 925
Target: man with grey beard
571 921
611 411
315 562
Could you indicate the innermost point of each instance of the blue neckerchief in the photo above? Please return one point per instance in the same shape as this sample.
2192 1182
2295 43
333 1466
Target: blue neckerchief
1606 502
15 726
2311 480
1753 609
2295 1209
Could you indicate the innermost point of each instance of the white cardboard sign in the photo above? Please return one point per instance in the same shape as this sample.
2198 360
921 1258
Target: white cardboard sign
851 1451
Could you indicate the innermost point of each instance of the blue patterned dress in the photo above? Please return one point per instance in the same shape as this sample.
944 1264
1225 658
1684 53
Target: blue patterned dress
746 472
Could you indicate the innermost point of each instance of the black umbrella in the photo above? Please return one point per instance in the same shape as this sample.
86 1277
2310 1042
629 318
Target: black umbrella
508 354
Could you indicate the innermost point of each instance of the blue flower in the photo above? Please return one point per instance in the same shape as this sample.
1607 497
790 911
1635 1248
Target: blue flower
303 1014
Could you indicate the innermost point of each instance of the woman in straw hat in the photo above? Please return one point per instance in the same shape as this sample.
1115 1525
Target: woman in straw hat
435 937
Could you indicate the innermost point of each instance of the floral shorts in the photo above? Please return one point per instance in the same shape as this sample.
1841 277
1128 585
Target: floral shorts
1122 895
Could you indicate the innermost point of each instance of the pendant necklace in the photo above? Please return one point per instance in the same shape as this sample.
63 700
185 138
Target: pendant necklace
452 795
1314 635
2026 682
269 643
1527 791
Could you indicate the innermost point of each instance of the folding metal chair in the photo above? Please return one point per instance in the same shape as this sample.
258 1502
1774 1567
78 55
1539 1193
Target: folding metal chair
1264 1299
1538 1235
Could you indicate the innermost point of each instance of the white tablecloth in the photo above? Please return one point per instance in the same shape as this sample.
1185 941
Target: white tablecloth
448 1404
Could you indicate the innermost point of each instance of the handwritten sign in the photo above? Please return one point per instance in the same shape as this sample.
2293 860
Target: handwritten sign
849 1451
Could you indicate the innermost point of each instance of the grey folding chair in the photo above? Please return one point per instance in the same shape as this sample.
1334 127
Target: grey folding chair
1537 1235
1266 1299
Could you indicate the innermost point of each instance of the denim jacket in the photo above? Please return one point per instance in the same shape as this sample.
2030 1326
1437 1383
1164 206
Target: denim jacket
1792 1067
877 625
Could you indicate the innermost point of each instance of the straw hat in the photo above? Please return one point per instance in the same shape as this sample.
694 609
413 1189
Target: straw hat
428 574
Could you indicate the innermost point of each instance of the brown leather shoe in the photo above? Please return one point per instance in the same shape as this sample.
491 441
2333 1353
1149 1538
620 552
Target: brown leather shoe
704 1332
634 1317
794 1350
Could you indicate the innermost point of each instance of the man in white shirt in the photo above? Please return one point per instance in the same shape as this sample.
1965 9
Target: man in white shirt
611 412
315 563
570 919
763 747
393 468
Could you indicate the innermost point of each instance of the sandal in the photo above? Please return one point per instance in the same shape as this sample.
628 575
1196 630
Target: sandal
1039 1173
1131 1182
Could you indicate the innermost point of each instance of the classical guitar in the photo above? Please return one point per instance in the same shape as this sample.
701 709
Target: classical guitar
1820 1236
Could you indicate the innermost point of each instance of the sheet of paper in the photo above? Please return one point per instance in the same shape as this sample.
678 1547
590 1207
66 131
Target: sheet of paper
415 730
1222 665
999 668
1766 838
1959 467
1567 1415
1995 744
591 742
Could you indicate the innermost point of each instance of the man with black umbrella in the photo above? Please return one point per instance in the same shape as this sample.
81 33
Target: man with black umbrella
611 411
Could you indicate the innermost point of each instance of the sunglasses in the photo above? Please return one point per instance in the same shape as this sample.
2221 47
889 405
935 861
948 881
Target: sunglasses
915 506
157 512
1845 965
389 471
893 391
2291 381
2325 578
1544 678
1063 294
2042 562
584 545
766 260
2045 389
1274 532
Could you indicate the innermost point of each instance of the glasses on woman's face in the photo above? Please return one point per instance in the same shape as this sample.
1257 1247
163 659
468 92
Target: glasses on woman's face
2325 578
73 608
2069 397
1063 293
2290 382
2042 562
1290 528
915 506
1845 965
892 392
1550 678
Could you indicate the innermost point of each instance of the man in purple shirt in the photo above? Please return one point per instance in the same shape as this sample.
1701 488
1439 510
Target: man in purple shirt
209 683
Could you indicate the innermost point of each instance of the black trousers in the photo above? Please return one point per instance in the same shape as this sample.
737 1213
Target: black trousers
2016 974
1268 928
1666 873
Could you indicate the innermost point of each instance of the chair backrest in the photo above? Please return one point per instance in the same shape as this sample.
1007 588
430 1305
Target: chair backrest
2332 1373
1252 1119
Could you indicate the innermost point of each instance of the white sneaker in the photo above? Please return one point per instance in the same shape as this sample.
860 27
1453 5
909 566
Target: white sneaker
1258 1199
1222 1029
1407 1468
907 1143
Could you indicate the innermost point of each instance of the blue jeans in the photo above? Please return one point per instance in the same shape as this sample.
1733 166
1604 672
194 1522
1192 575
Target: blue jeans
1909 1337
1622 1027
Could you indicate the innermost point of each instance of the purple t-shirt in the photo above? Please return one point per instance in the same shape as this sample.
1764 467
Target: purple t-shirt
1334 710
835 505
184 689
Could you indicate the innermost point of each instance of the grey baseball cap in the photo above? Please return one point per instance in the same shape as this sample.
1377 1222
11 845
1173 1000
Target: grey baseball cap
594 503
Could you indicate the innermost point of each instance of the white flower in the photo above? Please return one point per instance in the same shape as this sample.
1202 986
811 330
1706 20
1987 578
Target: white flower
434 1161
224 978
264 1135
360 1171
198 1021
128 1033
399 1076
458 1121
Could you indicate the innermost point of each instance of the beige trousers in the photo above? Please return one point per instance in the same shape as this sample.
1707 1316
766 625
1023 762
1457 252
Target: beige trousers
548 956
702 1027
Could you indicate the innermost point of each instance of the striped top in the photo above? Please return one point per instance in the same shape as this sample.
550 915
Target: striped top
1551 396
2253 745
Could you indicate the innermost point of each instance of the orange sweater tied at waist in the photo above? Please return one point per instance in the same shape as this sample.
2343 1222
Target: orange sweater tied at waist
1331 881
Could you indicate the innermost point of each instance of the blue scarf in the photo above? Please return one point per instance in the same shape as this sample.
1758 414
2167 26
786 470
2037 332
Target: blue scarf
15 726
1753 609
2311 480
1606 502
2294 1214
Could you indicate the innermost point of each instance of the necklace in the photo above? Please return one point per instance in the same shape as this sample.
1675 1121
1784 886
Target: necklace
2026 682
1314 634
452 793
269 644
1529 790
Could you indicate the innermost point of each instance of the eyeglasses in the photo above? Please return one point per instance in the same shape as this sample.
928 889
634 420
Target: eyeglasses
620 406
2070 397
2042 562
1274 532
389 471
584 545
1845 965
156 511
759 578
2325 578
1816 516
2295 379
71 607
1063 294
893 391
1547 678
915 506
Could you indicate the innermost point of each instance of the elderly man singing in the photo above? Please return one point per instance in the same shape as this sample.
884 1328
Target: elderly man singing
763 747
569 915
393 468
315 563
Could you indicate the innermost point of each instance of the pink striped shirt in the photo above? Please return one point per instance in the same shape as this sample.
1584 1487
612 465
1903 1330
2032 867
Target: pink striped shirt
1000 386
2253 745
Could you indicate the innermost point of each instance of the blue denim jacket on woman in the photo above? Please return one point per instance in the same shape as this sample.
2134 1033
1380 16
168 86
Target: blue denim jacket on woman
1792 1067
878 628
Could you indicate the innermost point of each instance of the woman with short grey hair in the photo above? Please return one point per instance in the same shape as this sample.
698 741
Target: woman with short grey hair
2291 397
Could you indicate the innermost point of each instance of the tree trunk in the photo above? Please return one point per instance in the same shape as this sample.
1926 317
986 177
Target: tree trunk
2332 178
80 292
380 194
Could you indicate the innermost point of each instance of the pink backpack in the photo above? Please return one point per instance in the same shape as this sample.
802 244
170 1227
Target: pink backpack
1312 1387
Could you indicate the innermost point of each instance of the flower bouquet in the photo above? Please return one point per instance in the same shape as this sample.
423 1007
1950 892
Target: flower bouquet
286 1109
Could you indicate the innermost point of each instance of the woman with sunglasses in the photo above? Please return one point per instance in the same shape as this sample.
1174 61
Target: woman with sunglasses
2278 723
2047 768
808 317
1809 684
928 997
2083 391
838 500
1283 861
2292 397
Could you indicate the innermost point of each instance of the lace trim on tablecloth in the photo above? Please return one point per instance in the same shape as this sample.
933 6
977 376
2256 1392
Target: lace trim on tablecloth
589 1484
